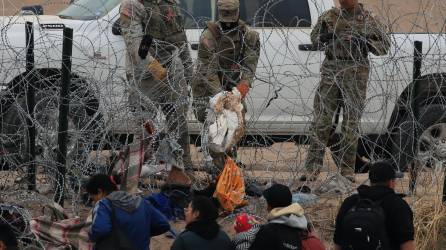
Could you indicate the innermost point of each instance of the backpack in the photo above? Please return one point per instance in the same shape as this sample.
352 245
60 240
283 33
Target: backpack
364 226
116 240
311 242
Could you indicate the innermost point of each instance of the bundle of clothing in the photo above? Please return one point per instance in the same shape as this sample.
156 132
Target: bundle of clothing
56 231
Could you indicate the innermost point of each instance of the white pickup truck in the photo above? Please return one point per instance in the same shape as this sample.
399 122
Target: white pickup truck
279 105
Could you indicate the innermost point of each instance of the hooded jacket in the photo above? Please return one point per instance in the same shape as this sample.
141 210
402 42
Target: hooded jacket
282 232
399 216
202 235
137 218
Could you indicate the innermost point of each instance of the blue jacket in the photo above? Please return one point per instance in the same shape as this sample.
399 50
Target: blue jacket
136 217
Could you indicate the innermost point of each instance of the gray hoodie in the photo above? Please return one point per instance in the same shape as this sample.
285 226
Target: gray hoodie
292 216
127 202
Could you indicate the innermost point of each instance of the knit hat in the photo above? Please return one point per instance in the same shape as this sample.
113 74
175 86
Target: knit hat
278 195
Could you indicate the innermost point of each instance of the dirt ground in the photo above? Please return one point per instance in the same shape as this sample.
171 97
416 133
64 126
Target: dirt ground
400 15
281 162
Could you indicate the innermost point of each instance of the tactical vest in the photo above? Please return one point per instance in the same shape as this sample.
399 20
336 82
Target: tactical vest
343 24
230 50
164 20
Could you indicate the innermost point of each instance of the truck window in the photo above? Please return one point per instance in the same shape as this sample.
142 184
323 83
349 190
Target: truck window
197 13
276 13
88 9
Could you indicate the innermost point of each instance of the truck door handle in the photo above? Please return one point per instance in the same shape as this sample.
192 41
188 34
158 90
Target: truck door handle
310 47
97 55
194 46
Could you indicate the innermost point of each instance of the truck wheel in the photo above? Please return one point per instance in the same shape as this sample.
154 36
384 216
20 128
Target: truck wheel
84 128
429 145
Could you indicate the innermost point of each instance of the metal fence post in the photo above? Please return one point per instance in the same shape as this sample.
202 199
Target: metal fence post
30 104
64 102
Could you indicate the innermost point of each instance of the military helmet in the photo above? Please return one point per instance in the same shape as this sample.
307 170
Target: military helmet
228 10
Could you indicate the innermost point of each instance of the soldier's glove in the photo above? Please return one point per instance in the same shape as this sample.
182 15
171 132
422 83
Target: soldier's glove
327 37
144 46
361 44
359 41
157 70
148 126
243 88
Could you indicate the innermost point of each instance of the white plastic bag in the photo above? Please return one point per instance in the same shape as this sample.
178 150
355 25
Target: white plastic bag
226 121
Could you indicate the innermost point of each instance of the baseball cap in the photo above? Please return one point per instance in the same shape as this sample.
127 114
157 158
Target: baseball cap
228 10
278 195
382 171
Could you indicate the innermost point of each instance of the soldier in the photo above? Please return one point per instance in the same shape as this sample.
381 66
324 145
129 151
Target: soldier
227 58
157 70
348 34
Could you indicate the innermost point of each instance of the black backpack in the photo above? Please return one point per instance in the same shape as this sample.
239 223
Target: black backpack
364 226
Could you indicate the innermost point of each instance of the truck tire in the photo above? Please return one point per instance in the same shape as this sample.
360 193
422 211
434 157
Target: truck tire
423 139
85 127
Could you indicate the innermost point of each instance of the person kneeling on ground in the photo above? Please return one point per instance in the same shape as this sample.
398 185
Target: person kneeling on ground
136 219
287 225
202 231
376 217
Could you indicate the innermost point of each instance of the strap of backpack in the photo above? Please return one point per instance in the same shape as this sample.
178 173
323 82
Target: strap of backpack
376 202
114 223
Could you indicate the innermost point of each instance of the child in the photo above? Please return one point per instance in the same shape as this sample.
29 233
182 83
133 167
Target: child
246 227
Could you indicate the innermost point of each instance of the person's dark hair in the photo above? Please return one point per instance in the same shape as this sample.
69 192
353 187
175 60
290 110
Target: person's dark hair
381 172
7 236
278 195
104 182
206 208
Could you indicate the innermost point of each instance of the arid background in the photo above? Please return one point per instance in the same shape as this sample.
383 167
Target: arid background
400 15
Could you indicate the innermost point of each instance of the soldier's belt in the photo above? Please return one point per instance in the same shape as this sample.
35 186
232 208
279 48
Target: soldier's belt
346 58
176 38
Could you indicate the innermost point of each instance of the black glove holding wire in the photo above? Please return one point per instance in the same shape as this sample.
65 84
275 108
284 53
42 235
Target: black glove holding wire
327 37
361 43
144 46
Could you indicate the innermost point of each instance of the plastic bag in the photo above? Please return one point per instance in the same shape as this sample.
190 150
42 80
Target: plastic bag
230 190
226 121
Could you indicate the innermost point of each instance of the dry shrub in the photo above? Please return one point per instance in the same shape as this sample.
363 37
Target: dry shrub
430 217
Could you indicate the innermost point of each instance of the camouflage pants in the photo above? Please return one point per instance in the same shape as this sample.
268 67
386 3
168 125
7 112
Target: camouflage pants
171 96
186 59
344 87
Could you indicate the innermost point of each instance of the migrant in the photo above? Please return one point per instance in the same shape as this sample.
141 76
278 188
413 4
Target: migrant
376 216
202 230
134 217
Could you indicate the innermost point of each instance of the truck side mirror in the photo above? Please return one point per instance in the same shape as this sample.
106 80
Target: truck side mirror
32 10
116 28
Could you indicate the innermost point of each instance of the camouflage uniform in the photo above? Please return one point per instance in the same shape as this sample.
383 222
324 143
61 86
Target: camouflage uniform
227 58
344 76
162 20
